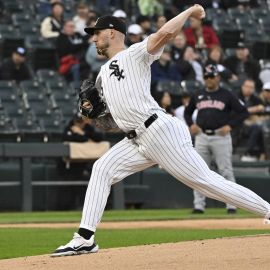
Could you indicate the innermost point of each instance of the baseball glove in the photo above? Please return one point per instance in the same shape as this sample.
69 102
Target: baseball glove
90 103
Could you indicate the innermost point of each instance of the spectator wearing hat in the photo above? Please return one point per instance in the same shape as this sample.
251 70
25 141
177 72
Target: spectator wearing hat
52 25
242 64
15 68
81 18
121 14
265 97
213 137
134 34
216 57
200 36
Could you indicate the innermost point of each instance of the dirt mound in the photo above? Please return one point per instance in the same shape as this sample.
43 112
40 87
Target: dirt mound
247 253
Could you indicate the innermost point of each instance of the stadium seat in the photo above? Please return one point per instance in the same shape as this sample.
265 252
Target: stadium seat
261 50
8 90
60 88
9 42
259 13
191 86
8 130
30 130
54 127
236 13
40 107
33 89
7 29
49 75
230 38
24 18
255 34
42 52
14 6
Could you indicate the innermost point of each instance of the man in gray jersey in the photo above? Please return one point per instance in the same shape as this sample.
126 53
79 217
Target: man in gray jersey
152 136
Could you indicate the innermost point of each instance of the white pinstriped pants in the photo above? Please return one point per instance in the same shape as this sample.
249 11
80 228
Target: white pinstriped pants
166 142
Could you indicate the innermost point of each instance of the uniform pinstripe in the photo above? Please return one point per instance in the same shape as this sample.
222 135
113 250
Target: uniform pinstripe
166 141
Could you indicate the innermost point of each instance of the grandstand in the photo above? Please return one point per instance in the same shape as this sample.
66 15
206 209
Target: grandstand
37 110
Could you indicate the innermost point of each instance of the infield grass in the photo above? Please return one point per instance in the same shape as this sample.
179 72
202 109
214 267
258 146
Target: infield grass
27 242
123 215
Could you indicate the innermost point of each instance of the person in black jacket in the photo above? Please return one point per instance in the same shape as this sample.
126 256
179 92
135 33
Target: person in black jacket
252 125
213 126
15 68
80 130
242 65
71 48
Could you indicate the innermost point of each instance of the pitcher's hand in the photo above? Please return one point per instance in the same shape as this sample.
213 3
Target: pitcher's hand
198 12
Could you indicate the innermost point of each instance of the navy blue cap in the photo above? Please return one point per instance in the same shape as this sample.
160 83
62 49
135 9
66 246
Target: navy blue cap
107 22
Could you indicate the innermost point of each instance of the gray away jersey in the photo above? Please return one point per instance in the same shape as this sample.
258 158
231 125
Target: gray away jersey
125 86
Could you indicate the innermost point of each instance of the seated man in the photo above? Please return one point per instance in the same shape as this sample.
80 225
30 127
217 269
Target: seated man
15 68
252 125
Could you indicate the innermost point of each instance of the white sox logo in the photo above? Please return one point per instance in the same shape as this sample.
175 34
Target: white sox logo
116 71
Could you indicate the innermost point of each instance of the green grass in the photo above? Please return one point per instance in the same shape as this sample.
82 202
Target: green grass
26 242
123 215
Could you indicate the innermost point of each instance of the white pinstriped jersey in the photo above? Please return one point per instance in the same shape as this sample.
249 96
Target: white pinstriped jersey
125 82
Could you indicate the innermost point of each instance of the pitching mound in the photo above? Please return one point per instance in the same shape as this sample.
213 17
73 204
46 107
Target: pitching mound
247 253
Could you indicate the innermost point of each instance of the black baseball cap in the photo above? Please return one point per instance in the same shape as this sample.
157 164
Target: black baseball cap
107 22
210 71
21 51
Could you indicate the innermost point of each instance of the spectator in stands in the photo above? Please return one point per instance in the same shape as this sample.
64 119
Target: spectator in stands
265 97
146 25
200 36
94 60
134 34
242 65
163 69
44 7
121 14
265 73
71 48
179 111
252 125
81 18
178 46
52 25
241 4
190 66
164 100
150 7
15 68
80 130
215 57
160 21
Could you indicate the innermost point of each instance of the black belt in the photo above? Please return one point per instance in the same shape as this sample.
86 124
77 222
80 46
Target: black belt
132 134
209 132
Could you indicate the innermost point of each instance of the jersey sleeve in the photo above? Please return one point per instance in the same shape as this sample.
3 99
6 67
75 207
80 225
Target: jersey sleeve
139 52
